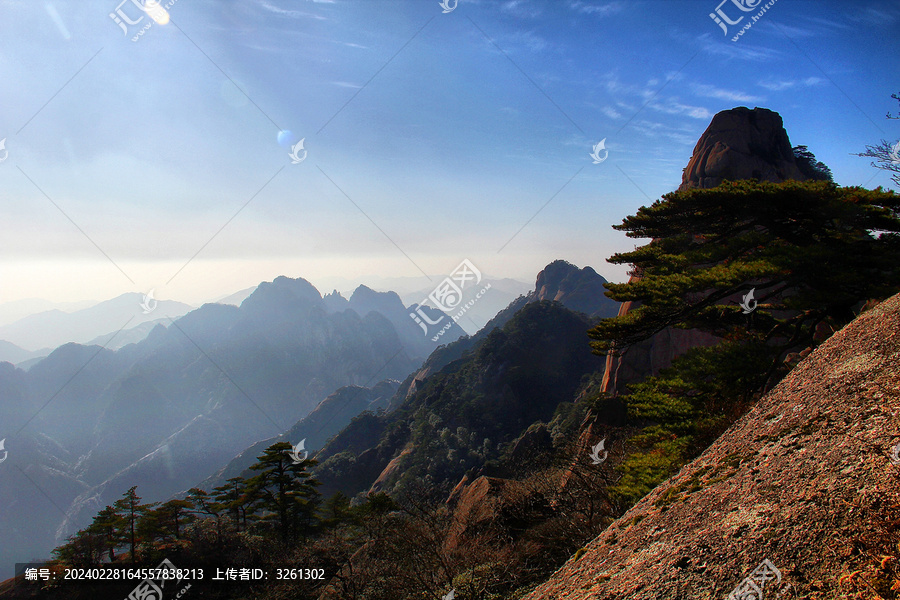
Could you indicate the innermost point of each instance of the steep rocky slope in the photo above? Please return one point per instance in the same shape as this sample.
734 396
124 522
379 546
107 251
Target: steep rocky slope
805 480
462 414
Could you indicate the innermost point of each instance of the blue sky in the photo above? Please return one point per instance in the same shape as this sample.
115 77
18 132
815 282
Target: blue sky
431 137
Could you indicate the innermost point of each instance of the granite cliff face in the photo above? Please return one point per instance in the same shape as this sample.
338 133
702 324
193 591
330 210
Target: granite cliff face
742 144
738 144
805 480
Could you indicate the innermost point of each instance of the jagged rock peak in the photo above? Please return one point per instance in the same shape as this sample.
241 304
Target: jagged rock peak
742 144
335 302
578 289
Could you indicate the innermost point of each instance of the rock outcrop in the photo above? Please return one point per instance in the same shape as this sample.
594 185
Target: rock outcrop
480 506
577 289
742 144
806 480
738 144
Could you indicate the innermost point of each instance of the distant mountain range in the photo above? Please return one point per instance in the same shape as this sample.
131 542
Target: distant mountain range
12 311
86 423
13 354
530 357
237 297
32 328
54 328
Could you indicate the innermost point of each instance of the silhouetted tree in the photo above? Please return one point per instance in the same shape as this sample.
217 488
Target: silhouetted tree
166 521
234 497
336 510
130 511
885 153
106 527
809 166
285 490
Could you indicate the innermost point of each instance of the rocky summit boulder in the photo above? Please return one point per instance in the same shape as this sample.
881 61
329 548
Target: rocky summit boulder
799 498
742 144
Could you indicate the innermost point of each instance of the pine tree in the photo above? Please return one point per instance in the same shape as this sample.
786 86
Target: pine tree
233 496
812 252
285 490
203 503
130 511
886 153
105 526
810 167
84 549
813 255
166 521
336 510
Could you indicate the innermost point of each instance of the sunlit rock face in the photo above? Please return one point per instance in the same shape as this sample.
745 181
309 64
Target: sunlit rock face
742 144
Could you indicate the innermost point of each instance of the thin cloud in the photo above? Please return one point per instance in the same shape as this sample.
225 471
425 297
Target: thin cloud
528 39
685 136
611 112
602 9
729 49
295 14
674 107
779 86
521 8
875 16
710 91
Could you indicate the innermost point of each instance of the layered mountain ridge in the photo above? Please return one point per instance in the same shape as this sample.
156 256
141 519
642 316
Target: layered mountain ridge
169 410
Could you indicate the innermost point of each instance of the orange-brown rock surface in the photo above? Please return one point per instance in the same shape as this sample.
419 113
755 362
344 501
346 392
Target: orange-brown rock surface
808 480
742 144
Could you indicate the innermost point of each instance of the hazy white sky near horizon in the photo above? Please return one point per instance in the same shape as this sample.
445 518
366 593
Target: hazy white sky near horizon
426 145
